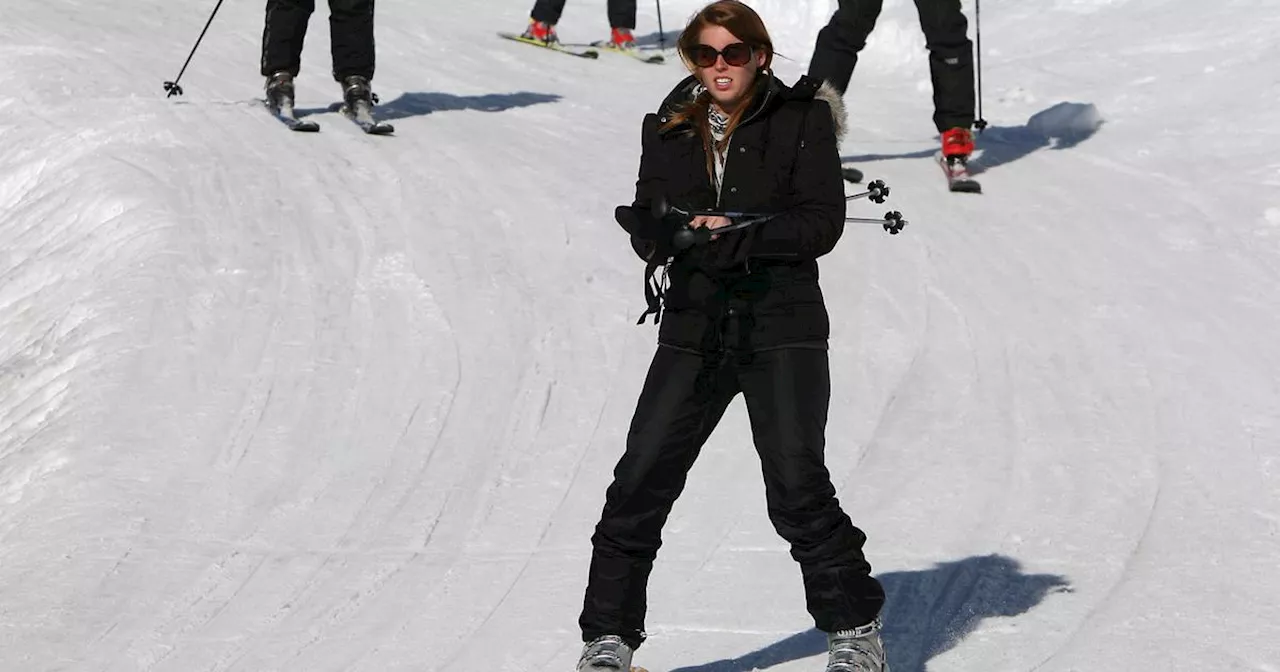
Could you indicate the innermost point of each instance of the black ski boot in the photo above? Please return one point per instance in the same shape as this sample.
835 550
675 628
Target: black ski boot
279 101
356 89
358 100
280 92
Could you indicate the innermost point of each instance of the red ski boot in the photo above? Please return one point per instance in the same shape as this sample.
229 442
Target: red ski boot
621 38
541 32
957 145
957 142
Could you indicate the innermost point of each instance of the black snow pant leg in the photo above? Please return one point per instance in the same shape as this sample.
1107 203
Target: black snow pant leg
283 32
787 393
547 11
835 52
622 14
683 399
950 62
351 37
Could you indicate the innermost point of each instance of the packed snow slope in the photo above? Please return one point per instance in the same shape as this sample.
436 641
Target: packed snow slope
335 402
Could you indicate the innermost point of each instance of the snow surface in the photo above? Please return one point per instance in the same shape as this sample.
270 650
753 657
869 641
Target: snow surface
274 401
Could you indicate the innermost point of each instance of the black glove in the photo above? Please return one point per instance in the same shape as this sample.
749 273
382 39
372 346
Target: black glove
641 223
671 233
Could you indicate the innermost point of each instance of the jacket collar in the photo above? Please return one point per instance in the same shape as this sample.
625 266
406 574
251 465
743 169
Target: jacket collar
768 90
772 92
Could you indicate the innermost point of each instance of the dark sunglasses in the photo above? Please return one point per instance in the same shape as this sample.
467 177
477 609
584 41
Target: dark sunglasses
737 54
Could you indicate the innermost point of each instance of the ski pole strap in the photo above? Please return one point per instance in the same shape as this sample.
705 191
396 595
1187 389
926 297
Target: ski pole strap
653 290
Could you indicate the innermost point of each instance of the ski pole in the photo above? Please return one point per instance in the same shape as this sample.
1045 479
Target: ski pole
662 39
977 15
687 236
172 87
876 191
662 207
892 222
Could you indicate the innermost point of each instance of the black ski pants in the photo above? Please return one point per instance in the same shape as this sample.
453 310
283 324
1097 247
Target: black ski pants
685 394
622 13
350 34
950 53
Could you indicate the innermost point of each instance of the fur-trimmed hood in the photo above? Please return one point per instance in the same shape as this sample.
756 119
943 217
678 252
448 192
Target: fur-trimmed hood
774 93
839 114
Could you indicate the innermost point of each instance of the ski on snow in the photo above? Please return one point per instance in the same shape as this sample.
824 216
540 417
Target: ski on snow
362 115
585 53
589 50
286 116
958 178
656 59
957 173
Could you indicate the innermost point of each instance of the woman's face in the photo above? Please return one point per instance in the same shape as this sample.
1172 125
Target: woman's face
727 76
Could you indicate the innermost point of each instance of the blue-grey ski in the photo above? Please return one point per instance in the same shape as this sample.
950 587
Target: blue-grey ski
362 115
287 117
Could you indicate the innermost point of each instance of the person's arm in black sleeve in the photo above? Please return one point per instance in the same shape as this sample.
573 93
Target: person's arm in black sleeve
815 221
649 187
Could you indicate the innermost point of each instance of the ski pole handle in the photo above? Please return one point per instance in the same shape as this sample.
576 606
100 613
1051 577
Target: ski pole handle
662 209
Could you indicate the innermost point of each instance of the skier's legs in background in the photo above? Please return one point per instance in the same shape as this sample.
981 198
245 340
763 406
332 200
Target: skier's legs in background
282 35
787 396
622 14
622 20
683 399
546 14
547 11
835 53
351 35
543 20
951 69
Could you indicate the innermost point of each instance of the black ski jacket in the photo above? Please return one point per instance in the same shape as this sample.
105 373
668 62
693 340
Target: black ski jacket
756 288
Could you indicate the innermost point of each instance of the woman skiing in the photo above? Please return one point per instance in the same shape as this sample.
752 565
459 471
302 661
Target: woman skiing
743 313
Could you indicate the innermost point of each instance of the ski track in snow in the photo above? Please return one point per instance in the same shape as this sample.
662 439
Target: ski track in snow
277 401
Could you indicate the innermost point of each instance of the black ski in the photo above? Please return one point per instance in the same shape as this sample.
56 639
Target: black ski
957 172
